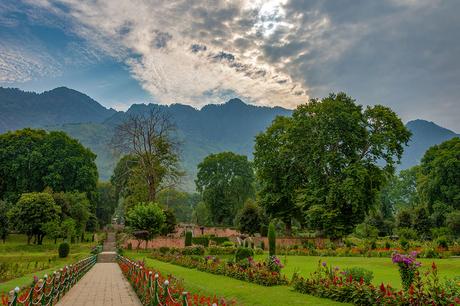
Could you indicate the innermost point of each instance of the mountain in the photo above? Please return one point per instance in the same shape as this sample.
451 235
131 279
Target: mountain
231 126
19 109
424 135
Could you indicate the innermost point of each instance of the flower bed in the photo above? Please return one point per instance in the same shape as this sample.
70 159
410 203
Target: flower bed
261 273
155 289
332 283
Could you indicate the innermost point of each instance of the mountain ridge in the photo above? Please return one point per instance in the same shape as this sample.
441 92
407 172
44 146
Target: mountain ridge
229 126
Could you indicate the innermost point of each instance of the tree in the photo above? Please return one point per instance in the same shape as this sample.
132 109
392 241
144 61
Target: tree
421 222
276 173
53 230
249 218
180 202
31 212
31 160
400 192
336 159
74 205
271 239
149 138
404 219
68 228
453 222
106 202
201 215
148 217
225 181
169 226
439 179
4 224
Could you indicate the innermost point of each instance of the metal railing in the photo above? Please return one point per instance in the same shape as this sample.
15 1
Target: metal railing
148 287
49 290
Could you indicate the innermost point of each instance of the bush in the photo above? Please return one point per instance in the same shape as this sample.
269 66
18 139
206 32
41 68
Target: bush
193 250
357 273
443 242
188 239
227 244
164 250
243 253
220 250
203 240
221 240
259 251
64 249
271 239
130 246
407 233
387 245
404 244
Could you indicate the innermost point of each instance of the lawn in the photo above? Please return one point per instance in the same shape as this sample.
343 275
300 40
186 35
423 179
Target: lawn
23 261
384 270
222 286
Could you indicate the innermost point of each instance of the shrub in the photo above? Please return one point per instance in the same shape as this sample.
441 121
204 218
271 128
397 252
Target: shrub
404 244
271 239
203 240
243 253
193 250
220 250
227 244
387 244
188 239
443 242
221 240
407 233
274 264
130 246
258 251
357 273
64 249
407 267
164 250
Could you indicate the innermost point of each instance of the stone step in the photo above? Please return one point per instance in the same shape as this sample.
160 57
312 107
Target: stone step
106 257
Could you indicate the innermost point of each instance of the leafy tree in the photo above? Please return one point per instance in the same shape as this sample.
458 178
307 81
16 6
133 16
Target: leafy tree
201 215
453 222
404 219
169 225
439 179
366 230
106 202
400 192
148 217
31 160
68 228
53 230
422 222
336 159
249 218
271 239
181 203
225 181
149 138
4 224
440 211
31 212
277 175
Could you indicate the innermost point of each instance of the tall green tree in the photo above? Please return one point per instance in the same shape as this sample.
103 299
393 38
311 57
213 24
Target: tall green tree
106 202
4 223
180 202
31 160
225 181
31 212
276 172
340 156
439 179
249 218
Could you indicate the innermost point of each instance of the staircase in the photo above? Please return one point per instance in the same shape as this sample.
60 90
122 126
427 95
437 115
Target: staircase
108 253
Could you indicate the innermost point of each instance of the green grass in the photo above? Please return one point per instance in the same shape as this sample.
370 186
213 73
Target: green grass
35 259
222 286
384 270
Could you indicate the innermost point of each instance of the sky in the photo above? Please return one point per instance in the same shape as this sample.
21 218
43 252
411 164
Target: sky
400 53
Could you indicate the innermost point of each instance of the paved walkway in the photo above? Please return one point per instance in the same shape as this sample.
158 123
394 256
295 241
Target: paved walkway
103 285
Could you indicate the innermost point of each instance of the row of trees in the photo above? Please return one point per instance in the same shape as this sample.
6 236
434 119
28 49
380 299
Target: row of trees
330 168
48 186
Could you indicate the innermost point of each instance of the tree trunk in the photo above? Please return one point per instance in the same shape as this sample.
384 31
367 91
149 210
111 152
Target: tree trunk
55 240
152 189
29 237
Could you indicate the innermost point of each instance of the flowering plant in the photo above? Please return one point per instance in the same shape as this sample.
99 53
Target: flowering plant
407 267
274 264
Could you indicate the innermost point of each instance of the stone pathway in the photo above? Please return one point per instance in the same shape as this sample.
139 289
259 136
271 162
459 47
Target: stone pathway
103 285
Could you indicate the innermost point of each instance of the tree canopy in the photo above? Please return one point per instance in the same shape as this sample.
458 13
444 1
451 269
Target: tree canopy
31 160
331 159
225 181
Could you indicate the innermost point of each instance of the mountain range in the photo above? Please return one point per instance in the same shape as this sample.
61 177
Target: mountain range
214 128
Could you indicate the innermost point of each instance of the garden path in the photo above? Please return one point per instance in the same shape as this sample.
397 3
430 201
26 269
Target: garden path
103 285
